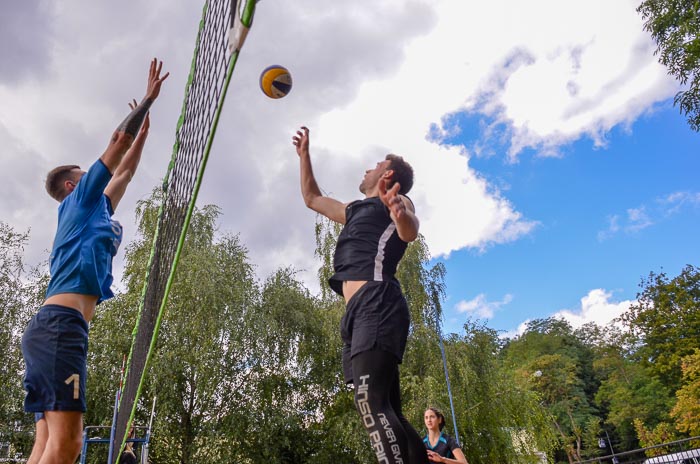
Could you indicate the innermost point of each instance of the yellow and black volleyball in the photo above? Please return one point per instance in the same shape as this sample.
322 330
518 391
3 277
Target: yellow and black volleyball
275 81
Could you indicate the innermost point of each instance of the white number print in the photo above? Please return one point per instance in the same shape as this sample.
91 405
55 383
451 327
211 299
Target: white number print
75 378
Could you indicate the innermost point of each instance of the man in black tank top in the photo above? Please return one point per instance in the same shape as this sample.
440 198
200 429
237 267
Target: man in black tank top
374 329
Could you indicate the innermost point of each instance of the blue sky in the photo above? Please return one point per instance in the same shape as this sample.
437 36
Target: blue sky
607 216
552 171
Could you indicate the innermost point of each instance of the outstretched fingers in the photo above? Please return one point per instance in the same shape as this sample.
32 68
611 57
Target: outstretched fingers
160 68
155 79
302 134
301 139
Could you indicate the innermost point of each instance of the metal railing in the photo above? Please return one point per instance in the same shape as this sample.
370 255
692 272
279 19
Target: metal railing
685 451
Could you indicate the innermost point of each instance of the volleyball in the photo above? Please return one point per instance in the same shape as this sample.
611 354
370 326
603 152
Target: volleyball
275 81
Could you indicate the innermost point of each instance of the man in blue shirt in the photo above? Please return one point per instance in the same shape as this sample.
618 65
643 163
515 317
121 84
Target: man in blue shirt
54 344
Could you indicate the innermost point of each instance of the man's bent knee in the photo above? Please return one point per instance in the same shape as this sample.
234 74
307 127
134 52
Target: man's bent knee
64 451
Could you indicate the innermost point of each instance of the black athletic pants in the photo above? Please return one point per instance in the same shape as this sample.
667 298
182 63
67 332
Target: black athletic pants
378 401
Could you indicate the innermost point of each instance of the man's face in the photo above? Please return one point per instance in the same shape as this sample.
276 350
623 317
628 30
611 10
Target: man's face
372 176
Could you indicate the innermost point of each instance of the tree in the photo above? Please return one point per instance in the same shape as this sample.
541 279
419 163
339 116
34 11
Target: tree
12 305
686 412
499 415
628 392
243 371
675 26
558 364
663 432
21 293
665 321
190 370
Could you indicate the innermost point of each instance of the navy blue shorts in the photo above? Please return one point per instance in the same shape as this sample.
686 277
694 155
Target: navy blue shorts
376 317
54 347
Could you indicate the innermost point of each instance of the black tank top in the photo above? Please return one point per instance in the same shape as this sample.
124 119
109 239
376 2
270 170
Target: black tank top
369 247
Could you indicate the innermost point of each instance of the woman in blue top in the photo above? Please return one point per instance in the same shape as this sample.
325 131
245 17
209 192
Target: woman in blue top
441 447
54 345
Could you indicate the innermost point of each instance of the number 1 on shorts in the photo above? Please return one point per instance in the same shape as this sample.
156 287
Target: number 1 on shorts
75 378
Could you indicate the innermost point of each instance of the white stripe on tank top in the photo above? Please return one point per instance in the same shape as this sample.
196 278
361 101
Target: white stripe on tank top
379 258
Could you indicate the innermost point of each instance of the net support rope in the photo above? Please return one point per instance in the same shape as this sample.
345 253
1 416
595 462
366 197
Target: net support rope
449 388
222 31
437 291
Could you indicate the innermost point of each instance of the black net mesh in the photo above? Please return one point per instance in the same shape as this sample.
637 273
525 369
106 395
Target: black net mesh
203 96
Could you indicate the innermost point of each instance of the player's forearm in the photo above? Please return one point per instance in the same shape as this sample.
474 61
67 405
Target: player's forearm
125 136
407 226
132 123
130 161
309 186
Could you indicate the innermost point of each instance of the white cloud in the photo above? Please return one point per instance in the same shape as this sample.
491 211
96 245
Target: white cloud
595 307
370 77
515 333
642 217
480 307
613 228
633 221
638 219
674 202
552 78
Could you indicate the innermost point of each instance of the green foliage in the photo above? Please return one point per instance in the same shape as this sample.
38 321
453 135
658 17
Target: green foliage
627 392
326 233
249 372
14 317
243 371
500 417
686 411
591 435
665 322
21 293
663 432
557 363
675 26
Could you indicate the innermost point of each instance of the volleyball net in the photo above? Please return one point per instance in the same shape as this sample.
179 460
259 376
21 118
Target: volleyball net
222 31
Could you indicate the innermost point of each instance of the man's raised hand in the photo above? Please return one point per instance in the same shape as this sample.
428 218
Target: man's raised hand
301 141
154 79
391 198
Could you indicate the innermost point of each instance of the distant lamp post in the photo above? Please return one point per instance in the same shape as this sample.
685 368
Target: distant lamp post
601 444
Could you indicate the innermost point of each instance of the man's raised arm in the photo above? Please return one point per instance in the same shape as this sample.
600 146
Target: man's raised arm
127 131
313 198
130 162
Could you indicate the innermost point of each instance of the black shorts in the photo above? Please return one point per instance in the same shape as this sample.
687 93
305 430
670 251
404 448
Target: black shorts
376 317
54 347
